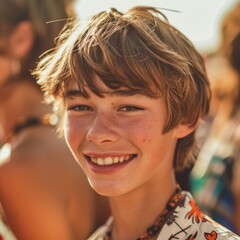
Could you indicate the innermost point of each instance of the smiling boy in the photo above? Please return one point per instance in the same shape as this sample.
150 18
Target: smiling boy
132 90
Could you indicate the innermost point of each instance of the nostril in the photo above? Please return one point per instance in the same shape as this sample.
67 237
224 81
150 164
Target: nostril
102 135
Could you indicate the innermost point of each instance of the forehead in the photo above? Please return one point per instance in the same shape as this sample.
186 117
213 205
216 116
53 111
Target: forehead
111 85
74 89
74 84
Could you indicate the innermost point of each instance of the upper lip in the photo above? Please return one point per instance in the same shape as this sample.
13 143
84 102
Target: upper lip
107 159
106 154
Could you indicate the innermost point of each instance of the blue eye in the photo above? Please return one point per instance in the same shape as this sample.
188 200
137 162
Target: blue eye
130 109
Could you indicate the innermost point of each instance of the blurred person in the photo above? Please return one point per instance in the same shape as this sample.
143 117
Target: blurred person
235 62
131 89
43 193
215 180
221 74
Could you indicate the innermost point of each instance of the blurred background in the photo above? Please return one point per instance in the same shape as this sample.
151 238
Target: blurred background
199 20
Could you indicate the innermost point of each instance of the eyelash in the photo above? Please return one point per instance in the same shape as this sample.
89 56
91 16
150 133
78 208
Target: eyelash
127 108
130 109
80 108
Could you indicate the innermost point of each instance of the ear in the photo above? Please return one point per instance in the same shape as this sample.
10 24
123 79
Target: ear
21 40
184 128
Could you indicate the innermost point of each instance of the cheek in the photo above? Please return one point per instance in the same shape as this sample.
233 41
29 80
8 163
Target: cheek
73 131
5 72
142 132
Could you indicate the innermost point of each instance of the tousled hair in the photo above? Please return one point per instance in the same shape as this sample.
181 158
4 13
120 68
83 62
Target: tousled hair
138 51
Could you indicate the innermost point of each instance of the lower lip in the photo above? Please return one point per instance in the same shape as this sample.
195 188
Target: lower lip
107 169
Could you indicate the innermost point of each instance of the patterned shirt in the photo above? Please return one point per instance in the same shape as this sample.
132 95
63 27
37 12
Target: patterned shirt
186 222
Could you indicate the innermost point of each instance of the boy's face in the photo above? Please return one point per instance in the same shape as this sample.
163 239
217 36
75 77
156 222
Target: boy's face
118 140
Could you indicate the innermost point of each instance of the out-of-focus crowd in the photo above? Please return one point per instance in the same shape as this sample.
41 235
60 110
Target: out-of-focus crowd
215 178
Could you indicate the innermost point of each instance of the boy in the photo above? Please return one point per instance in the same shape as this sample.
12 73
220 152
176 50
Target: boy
132 89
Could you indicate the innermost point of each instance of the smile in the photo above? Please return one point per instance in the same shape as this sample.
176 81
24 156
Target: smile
103 161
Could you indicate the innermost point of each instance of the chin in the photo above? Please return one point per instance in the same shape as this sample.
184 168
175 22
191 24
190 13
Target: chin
107 189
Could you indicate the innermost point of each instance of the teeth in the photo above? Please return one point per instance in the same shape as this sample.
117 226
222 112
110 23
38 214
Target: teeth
109 160
100 161
115 159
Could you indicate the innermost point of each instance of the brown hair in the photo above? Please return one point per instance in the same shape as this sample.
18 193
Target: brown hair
230 27
47 18
229 50
138 50
235 63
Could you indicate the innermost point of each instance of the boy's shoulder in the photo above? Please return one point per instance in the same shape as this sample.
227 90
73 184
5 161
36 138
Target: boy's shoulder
187 222
213 230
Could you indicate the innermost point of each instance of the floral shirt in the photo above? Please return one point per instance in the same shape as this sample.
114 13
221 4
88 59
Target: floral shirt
186 222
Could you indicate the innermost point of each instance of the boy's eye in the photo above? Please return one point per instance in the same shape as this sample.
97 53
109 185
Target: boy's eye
80 108
130 109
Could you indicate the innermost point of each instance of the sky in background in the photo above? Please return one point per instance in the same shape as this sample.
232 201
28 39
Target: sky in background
199 20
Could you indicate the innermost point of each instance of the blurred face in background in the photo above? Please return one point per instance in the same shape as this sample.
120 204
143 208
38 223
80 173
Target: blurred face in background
5 75
15 45
9 68
5 61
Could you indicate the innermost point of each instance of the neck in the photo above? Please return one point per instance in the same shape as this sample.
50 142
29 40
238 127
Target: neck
140 207
23 102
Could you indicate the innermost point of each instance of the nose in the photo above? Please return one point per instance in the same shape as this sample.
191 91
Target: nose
102 130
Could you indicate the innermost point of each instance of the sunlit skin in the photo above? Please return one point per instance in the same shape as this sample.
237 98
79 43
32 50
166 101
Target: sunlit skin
119 126
131 126
5 62
7 94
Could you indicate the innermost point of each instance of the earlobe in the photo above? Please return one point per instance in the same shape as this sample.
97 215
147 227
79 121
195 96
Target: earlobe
21 40
184 128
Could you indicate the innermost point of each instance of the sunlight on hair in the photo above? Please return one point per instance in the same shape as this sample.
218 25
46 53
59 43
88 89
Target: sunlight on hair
198 20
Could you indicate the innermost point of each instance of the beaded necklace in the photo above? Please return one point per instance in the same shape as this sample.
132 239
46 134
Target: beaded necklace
176 199
46 120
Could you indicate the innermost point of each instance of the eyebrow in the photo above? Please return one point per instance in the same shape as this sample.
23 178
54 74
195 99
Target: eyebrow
73 93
